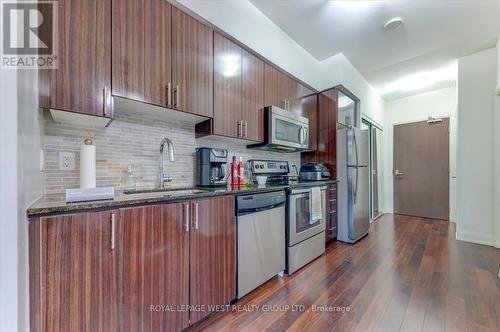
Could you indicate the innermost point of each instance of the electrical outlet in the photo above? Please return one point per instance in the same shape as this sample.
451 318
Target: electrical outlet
66 161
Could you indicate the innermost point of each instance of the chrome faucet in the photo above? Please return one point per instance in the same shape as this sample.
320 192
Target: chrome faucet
170 147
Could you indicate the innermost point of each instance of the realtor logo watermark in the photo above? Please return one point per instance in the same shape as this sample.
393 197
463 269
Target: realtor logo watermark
28 34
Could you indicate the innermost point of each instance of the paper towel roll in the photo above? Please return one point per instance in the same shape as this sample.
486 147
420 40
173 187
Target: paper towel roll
87 164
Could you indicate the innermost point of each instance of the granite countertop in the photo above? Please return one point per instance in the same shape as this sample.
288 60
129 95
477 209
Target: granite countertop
55 203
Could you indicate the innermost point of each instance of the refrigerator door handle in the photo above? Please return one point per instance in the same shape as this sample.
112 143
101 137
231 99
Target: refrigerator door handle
357 172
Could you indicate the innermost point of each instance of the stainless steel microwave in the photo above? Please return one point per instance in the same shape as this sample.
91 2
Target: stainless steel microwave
284 131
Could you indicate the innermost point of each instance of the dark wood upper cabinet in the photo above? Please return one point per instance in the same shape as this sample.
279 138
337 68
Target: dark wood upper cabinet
275 84
152 249
252 107
142 50
72 284
212 254
238 91
227 87
309 109
82 81
192 65
327 130
296 95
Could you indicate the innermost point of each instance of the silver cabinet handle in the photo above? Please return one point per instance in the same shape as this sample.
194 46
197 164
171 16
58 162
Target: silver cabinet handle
112 231
196 214
105 100
246 128
169 94
177 104
186 217
239 129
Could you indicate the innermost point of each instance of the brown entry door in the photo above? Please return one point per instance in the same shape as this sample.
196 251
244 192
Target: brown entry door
421 169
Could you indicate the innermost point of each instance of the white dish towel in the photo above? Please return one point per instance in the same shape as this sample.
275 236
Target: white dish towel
316 208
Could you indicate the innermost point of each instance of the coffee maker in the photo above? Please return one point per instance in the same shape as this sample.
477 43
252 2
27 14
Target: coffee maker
211 167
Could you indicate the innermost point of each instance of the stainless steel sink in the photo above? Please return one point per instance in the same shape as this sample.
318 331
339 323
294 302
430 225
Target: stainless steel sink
168 192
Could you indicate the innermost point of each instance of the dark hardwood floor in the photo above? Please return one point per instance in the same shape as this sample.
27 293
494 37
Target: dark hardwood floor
408 274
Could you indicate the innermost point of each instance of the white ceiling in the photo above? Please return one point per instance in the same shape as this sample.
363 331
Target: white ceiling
434 34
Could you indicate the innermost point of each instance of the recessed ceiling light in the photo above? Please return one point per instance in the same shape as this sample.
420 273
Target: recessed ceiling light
393 24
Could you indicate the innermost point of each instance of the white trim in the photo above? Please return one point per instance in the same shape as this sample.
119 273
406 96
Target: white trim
373 122
474 237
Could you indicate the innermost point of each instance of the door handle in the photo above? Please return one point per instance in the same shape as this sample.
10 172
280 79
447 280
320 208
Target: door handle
186 217
239 129
398 173
246 128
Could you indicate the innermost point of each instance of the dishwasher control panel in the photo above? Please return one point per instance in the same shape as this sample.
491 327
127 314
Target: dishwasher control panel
259 202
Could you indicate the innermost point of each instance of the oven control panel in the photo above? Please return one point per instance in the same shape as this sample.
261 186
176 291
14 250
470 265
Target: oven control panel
269 167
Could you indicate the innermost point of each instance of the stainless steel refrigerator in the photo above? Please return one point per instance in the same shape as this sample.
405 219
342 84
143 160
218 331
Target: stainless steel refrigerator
353 187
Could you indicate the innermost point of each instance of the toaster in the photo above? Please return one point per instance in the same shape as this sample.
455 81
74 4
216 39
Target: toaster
314 172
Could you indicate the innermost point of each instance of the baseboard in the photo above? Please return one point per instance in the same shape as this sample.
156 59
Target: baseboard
475 237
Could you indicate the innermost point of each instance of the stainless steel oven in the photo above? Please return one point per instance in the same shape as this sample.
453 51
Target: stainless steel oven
284 131
299 212
305 237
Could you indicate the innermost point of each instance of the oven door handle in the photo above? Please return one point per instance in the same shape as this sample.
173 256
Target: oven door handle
304 191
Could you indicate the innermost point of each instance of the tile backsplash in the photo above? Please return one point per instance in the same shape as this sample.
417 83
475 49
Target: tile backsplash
130 140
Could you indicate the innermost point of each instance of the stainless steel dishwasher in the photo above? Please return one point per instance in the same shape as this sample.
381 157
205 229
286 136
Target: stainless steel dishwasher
261 238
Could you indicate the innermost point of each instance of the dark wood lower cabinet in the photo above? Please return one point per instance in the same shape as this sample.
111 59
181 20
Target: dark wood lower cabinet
212 255
133 269
72 277
152 249
331 210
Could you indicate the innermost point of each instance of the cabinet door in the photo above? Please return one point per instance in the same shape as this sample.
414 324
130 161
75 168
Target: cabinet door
141 50
296 93
331 218
253 97
192 65
227 87
72 266
153 268
327 131
213 254
82 81
309 109
274 85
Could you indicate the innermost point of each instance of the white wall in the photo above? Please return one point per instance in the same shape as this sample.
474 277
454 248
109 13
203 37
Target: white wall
8 201
475 149
251 27
438 103
338 70
20 185
496 134
29 178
